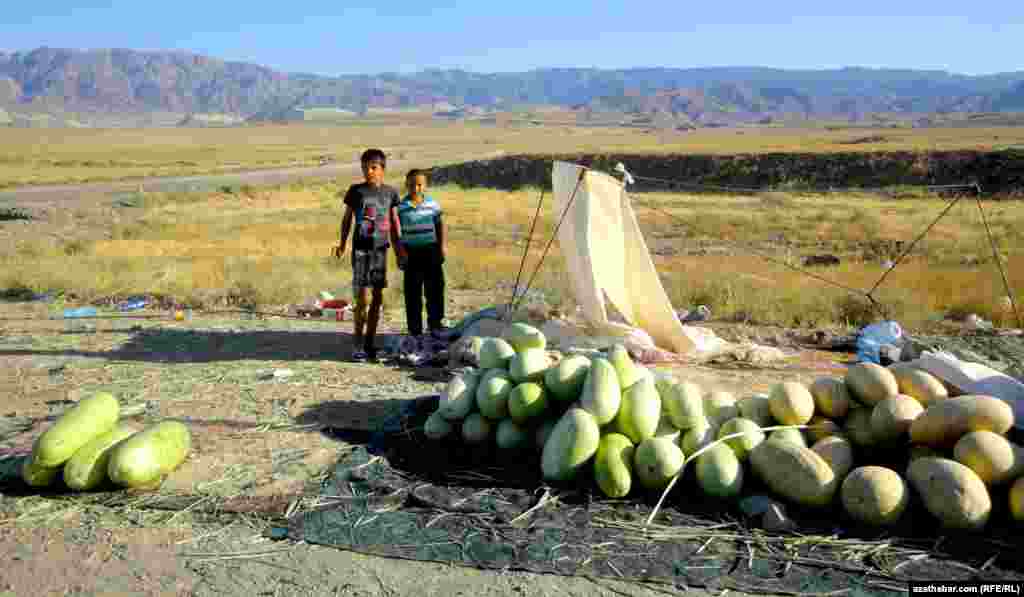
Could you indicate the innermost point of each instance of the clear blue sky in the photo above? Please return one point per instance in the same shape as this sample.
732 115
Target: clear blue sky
340 37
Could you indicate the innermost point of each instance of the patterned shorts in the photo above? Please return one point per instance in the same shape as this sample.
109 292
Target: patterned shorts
370 268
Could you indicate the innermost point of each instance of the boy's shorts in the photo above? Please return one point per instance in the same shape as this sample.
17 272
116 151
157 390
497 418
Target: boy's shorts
370 268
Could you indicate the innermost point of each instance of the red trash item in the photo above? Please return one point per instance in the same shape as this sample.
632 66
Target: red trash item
334 304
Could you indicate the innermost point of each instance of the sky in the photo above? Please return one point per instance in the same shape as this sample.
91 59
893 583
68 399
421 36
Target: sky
339 37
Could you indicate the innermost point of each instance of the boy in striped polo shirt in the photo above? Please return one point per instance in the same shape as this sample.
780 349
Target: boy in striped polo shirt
421 254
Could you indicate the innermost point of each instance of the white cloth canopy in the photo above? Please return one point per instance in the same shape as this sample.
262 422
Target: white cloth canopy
608 261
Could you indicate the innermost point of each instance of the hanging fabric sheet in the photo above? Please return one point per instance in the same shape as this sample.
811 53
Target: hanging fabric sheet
608 261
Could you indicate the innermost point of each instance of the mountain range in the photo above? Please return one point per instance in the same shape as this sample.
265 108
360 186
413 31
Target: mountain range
54 87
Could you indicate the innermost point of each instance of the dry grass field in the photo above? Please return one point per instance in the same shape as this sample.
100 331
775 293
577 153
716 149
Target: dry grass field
49 156
271 247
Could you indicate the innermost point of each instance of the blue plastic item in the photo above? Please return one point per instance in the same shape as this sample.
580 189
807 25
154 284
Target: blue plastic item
79 312
134 305
871 339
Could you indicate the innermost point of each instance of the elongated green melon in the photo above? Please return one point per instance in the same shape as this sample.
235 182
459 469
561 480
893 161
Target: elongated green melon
613 465
495 353
437 427
492 394
572 443
526 401
656 460
82 422
37 476
530 364
720 472
640 411
522 336
87 469
149 455
510 436
602 394
565 380
684 404
459 397
626 369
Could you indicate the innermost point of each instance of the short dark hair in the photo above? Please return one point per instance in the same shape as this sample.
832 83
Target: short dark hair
417 172
374 155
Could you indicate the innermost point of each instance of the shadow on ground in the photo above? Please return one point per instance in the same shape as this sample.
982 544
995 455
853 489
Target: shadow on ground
168 345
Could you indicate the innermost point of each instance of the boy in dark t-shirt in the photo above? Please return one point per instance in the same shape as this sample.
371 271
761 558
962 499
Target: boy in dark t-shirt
371 204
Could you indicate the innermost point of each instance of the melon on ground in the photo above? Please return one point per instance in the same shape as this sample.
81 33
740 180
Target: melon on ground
789 435
601 395
831 398
459 397
720 472
495 353
918 384
526 401
951 492
511 436
945 421
820 427
875 495
529 364
476 429
492 394
655 461
522 336
572 442
613 465
870 383
698 436
756 408
684 404
565 380
857 426
1017 500
437 426
991 456
791 403
752 435
640 411
720 406
891 418
837 451
795 473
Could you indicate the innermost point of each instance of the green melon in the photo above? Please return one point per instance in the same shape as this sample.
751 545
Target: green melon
720 472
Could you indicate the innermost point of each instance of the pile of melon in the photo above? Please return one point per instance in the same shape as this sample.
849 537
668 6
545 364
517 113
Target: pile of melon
633 426
88 446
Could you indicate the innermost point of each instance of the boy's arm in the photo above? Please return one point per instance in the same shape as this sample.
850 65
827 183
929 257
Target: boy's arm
396 232
346 227
440 234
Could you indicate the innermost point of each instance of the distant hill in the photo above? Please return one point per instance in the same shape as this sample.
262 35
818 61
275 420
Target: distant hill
102 87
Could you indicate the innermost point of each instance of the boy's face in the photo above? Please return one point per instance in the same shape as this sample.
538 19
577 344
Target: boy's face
373 171
418 186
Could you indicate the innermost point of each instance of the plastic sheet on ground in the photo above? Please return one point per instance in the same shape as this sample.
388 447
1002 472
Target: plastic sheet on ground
404 496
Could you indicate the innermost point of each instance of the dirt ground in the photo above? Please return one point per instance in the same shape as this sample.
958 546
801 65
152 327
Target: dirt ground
257 441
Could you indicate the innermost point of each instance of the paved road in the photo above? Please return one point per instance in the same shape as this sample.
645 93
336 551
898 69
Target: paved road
67 193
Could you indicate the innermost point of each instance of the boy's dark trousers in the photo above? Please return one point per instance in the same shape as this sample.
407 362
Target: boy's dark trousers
424 274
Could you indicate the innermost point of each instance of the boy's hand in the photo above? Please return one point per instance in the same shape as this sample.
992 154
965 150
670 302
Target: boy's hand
338 251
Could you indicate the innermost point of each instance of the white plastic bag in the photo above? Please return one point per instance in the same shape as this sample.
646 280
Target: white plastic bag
975 378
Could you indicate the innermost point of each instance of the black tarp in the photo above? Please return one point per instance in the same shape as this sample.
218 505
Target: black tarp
402 495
